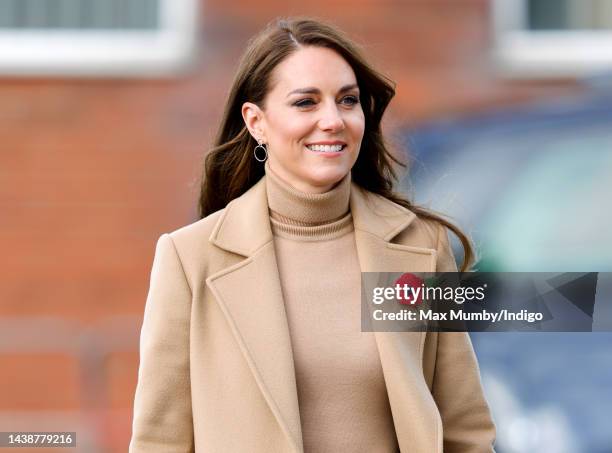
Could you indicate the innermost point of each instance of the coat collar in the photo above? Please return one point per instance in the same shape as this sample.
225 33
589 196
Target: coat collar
250 296
245 226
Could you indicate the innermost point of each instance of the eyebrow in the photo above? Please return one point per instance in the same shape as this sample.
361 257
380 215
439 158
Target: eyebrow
313 90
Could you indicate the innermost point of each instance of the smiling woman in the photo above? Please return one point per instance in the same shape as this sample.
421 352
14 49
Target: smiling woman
251 339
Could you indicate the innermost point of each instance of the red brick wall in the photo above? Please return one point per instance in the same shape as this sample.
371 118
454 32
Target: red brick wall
93 171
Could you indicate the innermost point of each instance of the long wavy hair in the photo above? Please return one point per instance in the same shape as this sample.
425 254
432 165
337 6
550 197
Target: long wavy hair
229 168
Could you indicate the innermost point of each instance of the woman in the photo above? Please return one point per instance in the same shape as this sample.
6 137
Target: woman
251 340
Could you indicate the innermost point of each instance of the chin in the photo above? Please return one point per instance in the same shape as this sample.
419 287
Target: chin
328 176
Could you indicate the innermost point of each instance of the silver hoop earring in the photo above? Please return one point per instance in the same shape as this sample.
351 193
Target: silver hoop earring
265 151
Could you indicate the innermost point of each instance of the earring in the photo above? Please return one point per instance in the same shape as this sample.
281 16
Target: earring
265 151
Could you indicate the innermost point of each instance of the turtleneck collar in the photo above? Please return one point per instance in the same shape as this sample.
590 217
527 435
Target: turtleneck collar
300 208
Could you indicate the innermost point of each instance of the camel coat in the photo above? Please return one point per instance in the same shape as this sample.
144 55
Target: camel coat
216 368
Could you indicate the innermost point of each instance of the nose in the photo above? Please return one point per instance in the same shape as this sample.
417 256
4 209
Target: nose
331 119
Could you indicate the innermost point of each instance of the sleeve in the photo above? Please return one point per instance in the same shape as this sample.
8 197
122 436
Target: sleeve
467 423
162 404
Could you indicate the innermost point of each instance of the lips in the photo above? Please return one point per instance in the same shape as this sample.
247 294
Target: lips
335 148
327 142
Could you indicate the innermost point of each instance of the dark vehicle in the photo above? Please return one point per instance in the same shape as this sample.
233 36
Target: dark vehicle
533 187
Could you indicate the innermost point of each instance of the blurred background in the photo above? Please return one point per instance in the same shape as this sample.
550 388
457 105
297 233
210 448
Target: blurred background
107 107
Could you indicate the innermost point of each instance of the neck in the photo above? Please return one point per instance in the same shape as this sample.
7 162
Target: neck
303 207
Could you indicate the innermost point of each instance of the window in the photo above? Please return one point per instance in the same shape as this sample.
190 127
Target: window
549 38
96 37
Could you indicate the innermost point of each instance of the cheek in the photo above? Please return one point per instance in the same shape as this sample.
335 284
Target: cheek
291 132
356 124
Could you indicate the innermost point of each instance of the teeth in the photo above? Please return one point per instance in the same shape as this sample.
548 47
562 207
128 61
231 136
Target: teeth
326 148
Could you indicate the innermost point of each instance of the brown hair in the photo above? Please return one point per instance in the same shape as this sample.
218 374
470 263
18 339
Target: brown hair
229 167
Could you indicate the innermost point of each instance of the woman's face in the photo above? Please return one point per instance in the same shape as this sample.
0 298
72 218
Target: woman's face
312 121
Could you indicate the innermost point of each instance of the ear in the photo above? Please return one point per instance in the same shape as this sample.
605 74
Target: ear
254 119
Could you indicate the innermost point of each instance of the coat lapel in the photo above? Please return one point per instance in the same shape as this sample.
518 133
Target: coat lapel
249 294
377 221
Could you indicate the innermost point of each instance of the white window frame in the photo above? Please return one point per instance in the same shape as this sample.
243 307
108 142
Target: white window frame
164 51
519 52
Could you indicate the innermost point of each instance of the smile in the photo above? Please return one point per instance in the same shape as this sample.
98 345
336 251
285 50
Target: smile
326 148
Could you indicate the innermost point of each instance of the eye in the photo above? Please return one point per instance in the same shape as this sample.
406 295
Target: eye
304 102
350 100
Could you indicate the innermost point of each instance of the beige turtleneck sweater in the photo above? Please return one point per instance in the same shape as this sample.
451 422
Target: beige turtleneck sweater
342 396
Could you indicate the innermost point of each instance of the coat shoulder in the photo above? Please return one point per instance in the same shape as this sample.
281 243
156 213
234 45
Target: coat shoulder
427 233
192 243
198 231
421 233
429 230
395 222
